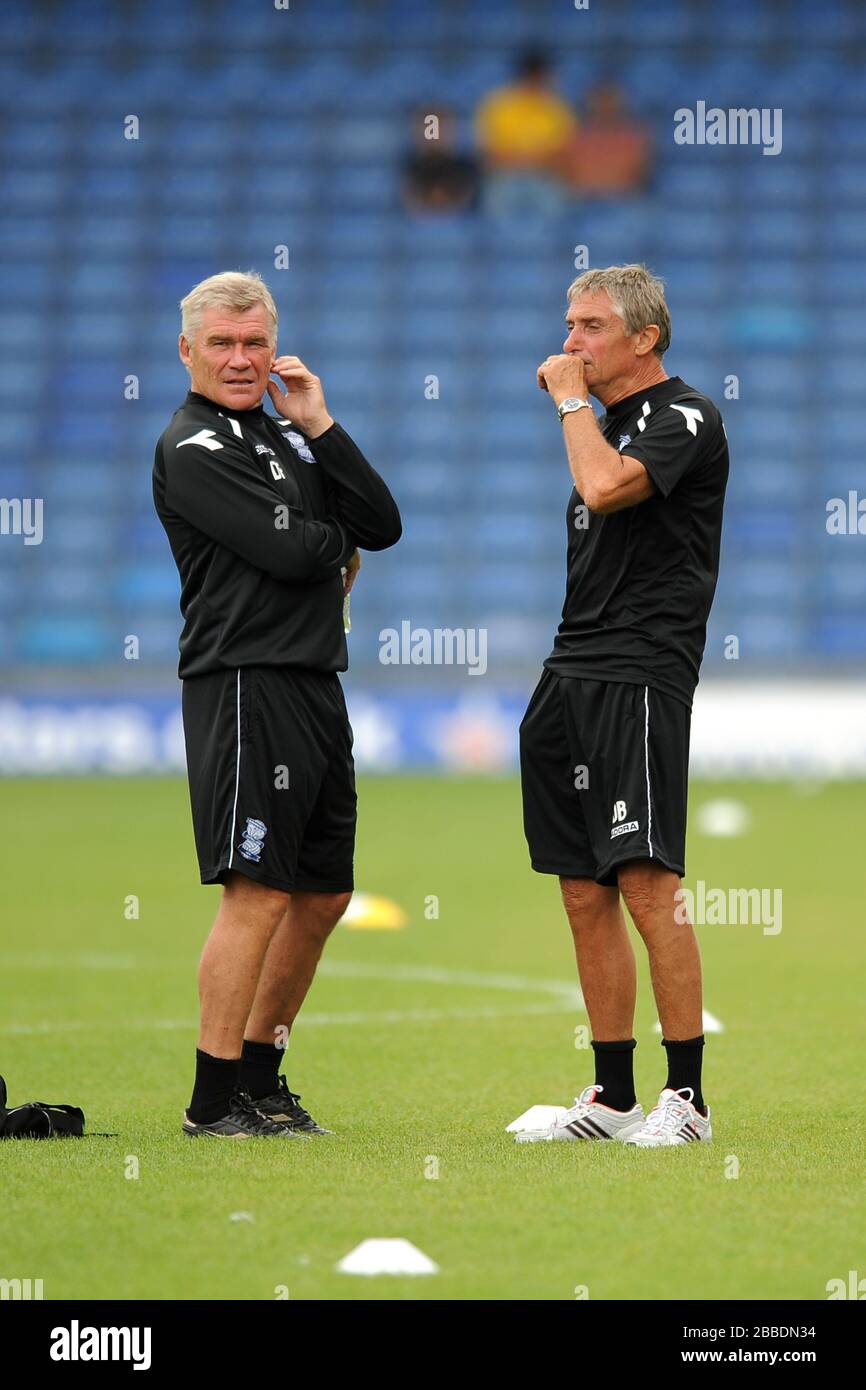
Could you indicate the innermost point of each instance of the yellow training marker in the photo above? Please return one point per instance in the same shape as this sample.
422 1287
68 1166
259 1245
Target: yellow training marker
368 910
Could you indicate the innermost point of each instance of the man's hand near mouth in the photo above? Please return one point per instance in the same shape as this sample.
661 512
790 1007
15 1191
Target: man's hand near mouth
303 401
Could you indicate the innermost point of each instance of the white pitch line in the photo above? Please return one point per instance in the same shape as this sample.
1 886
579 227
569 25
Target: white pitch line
566 998
45 960
336 969
311 1020
436 975
14 1029
434 1015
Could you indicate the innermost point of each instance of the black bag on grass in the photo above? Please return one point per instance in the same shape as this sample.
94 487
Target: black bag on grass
38 1119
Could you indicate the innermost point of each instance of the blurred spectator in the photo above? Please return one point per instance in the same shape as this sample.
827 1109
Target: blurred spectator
611 153
436 178
523 130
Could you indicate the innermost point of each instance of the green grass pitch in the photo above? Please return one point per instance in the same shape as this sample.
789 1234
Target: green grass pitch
421 1044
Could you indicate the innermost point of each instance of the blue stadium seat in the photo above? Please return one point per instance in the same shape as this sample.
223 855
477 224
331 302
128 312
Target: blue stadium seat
847 378
148 585
26 282
694 185
846 135
20 386
766 637
66 640
842 432
371 187
843 585
840 636
16 430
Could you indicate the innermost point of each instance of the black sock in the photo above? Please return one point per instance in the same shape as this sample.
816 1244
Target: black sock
260 1068
216 1080
684 1067
614 1070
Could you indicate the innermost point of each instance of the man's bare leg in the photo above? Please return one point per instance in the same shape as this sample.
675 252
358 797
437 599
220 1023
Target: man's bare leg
229 971
290 963
287 973
232 959
674 958
606 967
605 959
675 967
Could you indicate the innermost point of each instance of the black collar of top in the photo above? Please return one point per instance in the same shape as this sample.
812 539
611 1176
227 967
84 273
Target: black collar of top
674 384
255 412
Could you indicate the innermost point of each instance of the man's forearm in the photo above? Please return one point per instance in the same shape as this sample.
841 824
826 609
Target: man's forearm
362 499
594 465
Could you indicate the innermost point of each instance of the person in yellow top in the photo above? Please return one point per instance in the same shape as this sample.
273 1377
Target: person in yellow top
523 130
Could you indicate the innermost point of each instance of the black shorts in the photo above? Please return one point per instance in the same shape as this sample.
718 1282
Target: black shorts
604 770
271 777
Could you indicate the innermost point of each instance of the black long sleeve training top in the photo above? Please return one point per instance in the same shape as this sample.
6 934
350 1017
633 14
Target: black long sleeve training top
260 521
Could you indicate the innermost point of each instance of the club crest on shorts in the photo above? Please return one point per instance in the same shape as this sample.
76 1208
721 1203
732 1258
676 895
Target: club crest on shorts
253 841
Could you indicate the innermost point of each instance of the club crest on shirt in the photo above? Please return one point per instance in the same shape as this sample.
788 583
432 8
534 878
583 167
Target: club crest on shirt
623 440
253 841
299 444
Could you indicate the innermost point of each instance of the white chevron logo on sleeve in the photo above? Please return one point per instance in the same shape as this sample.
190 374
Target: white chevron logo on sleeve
690 415
205 437
236 429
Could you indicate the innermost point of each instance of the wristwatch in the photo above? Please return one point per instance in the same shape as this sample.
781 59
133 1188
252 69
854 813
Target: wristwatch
572 403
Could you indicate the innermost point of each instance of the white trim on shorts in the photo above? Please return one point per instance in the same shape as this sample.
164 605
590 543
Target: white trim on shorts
649 808
237 776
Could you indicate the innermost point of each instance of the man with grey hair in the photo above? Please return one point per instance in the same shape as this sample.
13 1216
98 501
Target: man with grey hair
264 514
604 743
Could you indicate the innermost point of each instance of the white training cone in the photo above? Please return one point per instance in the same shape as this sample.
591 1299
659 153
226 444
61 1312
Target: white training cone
723 818
536 1117
387 1257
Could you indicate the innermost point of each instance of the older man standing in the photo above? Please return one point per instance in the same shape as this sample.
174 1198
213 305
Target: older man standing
264 515
605 739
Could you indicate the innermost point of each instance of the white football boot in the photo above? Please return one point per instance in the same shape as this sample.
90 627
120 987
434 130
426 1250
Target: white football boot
673 1121
589 1119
